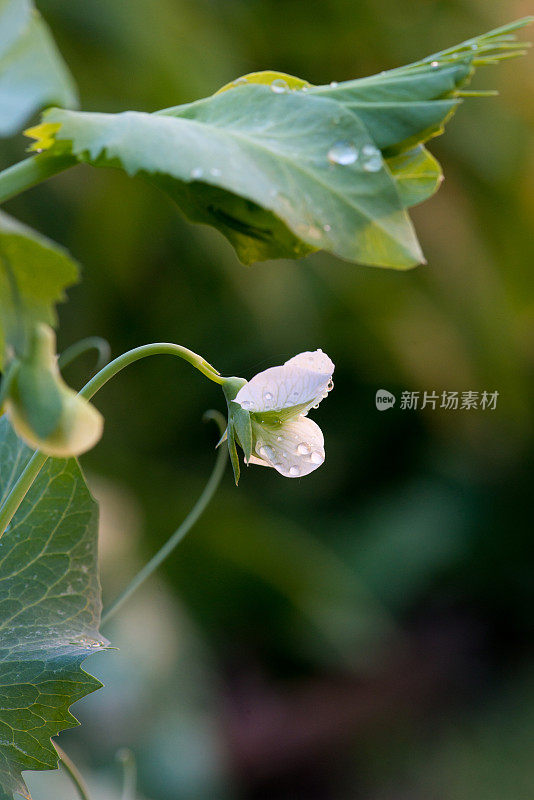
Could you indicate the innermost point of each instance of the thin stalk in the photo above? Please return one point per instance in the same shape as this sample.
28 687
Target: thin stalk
30 172
158 348
129 773
34 466
73 773
20 489
84 346
179 534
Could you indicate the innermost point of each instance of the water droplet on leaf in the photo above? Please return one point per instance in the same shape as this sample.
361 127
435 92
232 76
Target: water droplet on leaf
279 86
371 158
342 153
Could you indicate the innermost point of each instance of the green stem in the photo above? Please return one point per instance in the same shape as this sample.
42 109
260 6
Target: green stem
34 466
158 348
129 769
20 489
179 534
73 773
30 172
83 346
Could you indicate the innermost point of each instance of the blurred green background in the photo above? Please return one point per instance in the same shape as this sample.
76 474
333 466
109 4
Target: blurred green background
364 632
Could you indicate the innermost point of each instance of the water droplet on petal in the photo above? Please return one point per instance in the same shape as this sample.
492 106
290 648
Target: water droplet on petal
279 86
294 471
316 457
278 438
303 449
266 452
268 396
342 153
330 385
316 406
197 172
372 158
215 171
246 404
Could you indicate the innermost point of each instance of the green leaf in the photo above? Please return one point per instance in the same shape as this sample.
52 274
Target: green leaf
406 106
255 164
282 168
32 72
34 273
49 610
417 173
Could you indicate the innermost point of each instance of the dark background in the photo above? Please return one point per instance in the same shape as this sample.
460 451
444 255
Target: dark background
364 632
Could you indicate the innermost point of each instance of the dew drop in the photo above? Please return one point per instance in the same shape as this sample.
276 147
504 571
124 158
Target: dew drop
246 404
327 228
334 84
315 406
266 452
197 172
303 449
215 171
342 153
239 82
372 158
434 64
316 457
278 438
294 471
268 396
330 385
279 86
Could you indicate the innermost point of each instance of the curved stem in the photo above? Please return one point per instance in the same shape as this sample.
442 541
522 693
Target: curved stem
34 466
179 534
73 773
30 172
83 346
158 348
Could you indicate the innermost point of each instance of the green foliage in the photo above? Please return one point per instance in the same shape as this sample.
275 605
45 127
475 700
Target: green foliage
32 72
34 273
49 610
282 168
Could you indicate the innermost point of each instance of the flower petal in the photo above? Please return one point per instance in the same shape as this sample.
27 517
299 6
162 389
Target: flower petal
294 449
301 382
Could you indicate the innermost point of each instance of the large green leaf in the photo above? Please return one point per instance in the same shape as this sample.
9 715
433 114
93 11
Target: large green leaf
49 610
32 72
283 168
255 164
34 273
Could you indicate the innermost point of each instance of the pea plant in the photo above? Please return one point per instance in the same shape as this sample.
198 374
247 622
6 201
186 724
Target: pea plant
282 169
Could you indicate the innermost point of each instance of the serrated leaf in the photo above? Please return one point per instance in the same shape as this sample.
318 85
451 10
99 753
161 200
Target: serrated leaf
32 72
34 273
417 174
49 610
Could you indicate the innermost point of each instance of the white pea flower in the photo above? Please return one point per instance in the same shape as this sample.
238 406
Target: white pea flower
277 402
